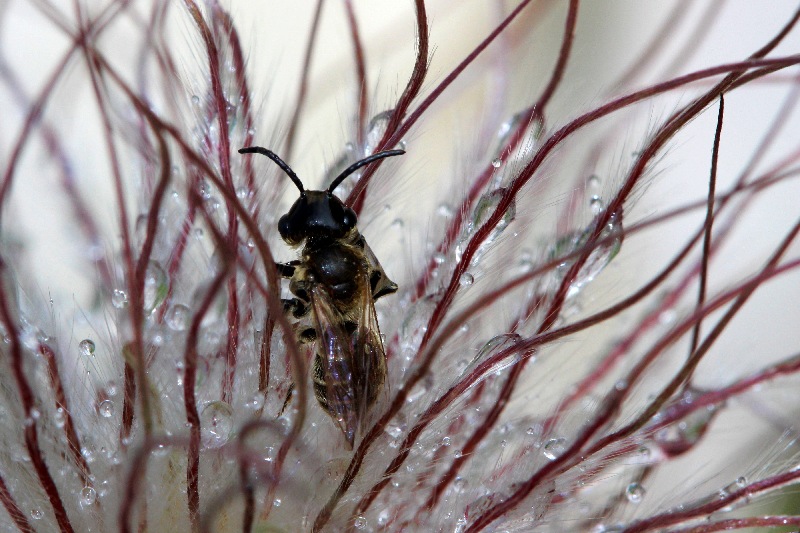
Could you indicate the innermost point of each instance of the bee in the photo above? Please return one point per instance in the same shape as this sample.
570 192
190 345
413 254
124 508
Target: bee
335 284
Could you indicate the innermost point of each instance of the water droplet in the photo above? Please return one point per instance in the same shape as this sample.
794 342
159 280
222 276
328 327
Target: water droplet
466 279
445 210
493 347
119 299
553 448
594 181
667 316
496 162
88 496
277 502
195 99
485 208
634 492
360 522
398 223
532 131
446 441
415 323
106 408
86 347
375 130
598 258
37 514
155 286
178 317
681 436
216 422
60 417
596 205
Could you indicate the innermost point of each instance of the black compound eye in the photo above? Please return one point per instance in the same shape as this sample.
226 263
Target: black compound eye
349 220
288 233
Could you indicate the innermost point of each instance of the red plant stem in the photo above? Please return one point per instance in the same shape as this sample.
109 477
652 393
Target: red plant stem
232 38
273 303
13 509
532 114
356 197
549 145
128 404
671 518
223 153
712 185
578 451
499 405
274 306
527 346
742 523
28 402
394 132
303 86
189 398
135 285
71 435
572 274
361 71
438 406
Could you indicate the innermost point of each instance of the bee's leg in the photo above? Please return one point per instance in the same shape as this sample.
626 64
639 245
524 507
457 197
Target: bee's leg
286 270
296 307
287 400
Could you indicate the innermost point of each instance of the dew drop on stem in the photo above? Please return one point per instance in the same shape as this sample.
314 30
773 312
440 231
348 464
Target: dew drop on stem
606 248
216 422
634 492
119 299
155 286
553 448
179 317
86 347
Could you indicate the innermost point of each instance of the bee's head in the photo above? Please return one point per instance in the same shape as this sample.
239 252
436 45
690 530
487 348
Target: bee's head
317 215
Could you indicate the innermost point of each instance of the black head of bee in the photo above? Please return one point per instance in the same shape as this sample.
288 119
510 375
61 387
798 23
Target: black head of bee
317 215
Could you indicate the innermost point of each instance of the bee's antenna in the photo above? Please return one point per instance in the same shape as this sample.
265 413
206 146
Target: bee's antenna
278 161
358 164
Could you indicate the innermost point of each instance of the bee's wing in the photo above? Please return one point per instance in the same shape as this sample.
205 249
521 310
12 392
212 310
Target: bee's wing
369 353
350 368
334 373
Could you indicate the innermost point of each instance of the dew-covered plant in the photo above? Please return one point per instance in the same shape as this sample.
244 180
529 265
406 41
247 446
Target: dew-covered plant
587 334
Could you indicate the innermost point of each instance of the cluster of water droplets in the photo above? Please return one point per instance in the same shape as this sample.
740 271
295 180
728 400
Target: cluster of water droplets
530 133
501 344
605 248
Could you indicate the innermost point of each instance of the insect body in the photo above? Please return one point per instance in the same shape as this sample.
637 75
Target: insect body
335 285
